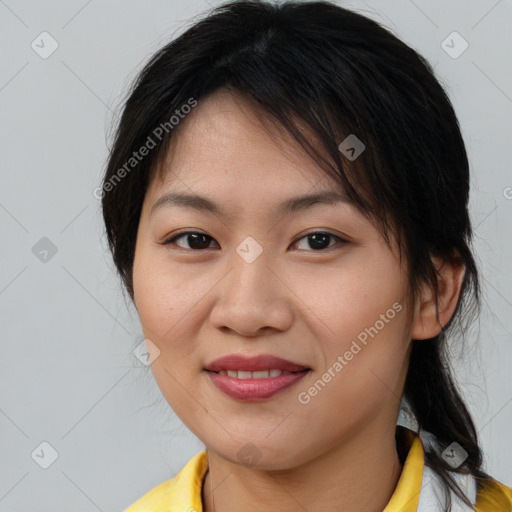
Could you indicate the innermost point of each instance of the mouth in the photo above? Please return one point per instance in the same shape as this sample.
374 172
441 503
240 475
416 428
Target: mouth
257 378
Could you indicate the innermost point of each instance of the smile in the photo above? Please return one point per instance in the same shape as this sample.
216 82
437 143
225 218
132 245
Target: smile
254 378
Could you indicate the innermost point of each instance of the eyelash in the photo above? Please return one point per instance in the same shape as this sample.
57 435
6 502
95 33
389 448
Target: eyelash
171 240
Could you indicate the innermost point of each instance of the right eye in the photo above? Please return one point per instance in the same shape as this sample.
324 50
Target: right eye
195 239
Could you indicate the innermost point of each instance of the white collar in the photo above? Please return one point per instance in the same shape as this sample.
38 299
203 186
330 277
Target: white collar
432 494
432 489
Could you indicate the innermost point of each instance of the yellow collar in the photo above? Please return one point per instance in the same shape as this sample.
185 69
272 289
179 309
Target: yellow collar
183 492
406 496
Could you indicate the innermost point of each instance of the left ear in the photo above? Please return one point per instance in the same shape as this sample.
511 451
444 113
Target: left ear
425 323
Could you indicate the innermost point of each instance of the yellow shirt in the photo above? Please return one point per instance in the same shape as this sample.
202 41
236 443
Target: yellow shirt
183 492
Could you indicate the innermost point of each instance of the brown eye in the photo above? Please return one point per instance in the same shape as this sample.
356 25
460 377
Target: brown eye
319 240
196 240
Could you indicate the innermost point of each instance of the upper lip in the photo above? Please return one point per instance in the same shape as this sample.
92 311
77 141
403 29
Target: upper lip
254 363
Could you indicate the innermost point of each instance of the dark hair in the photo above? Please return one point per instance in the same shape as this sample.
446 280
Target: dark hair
335 72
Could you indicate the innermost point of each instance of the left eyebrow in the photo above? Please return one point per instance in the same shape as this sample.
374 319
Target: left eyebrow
291 205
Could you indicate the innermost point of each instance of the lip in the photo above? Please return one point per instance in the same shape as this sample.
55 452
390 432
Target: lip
254 363
254 390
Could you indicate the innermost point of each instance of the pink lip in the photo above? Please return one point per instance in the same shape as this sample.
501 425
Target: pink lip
254 363
252 390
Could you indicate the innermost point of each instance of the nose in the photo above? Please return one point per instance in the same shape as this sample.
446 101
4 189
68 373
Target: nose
253 299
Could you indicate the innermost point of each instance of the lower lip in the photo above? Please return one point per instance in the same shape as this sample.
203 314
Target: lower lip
253 390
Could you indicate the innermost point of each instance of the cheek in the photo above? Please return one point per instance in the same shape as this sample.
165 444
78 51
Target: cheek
167 305
344 300
360 316
165 295
359 382
157 303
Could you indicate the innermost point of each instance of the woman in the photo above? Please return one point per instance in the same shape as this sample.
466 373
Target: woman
286 201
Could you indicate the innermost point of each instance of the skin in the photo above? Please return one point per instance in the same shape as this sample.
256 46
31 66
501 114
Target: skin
338 451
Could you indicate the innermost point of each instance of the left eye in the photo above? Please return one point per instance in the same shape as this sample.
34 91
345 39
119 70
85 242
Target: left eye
197 240
318 239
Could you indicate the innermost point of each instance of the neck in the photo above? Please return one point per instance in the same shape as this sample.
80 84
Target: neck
360 474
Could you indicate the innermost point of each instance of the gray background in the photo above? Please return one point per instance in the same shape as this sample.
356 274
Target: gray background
68 373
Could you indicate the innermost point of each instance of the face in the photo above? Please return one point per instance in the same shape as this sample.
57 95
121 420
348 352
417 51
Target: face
314 285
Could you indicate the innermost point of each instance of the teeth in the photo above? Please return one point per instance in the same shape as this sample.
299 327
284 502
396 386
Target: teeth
260 374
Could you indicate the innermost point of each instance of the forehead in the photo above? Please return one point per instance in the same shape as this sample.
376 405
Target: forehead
228 142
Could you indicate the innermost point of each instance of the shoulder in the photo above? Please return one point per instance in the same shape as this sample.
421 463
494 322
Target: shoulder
493 496
181 493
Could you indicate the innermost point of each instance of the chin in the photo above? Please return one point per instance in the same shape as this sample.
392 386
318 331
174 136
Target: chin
263 456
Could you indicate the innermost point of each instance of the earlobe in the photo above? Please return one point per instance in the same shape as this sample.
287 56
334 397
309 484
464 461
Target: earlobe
428 320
